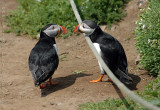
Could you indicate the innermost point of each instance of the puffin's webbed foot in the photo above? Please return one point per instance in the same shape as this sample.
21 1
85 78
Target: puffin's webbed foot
109 80
99 80
42 86
52 83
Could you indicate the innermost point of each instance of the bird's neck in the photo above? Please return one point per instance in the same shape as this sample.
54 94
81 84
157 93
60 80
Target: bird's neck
96 34
45 36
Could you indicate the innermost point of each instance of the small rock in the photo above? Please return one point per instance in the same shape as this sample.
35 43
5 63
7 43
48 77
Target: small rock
43 105
37 36
2 101
137 60
85 51
135 73
59 103
51 103
6 93
141 2
2 40
78 57
10 83
67 44
28 74
113 28
103 27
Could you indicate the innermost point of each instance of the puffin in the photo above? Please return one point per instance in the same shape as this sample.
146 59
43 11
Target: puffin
43 59
110 50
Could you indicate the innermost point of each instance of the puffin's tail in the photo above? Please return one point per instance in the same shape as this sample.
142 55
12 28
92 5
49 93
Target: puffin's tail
36 77
124 78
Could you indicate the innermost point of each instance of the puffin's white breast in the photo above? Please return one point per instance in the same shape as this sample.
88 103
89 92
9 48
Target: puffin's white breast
97 46
55 46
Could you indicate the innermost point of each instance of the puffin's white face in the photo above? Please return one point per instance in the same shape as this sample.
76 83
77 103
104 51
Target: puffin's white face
53 30
85 29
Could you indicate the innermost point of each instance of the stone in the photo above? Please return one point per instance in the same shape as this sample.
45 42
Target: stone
3 40
37 36
137 60
113 28
103 27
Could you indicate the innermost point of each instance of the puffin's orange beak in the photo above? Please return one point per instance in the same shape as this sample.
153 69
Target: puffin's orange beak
76 29
63 29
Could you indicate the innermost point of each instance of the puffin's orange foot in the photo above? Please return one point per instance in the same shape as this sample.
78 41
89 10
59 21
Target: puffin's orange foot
94 81
42 86
52 83
109 80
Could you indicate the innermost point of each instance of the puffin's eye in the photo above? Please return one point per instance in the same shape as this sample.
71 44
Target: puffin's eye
83 26
53 27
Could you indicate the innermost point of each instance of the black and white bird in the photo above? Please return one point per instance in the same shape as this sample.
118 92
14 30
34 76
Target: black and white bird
43 59
109 49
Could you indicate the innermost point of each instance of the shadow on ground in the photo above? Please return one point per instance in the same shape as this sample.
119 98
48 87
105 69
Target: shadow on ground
64 82
136 80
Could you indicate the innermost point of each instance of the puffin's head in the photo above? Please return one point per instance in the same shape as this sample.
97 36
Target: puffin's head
87 27
52 30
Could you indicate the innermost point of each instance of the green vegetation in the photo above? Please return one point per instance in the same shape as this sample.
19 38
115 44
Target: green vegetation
148 33
32 15
148 45
78 71
102 11
151 93
111 104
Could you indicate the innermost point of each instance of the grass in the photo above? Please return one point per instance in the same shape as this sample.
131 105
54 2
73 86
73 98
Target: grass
30 15
78 71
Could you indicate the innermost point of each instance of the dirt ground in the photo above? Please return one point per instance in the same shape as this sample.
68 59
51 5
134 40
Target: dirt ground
17 91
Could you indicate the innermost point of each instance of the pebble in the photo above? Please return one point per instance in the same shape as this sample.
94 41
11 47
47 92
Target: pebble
137 60
10 83
2 101
67 44
51 103
59 103
78 57
28 74
113 28
2 40
37 36
43 105
103 27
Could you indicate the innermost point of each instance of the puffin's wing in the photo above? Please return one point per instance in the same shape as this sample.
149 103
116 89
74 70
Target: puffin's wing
43 64
122 60
109 55
34 66
49 61
33 60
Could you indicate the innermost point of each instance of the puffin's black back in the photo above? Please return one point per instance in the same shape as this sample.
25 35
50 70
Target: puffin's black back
43 59
113 52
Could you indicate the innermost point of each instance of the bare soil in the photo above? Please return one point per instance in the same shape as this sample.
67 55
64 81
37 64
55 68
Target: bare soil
77 67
